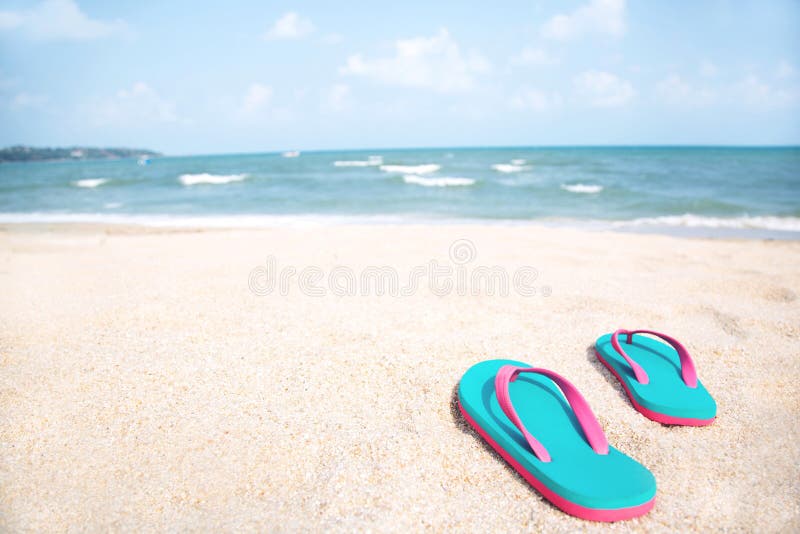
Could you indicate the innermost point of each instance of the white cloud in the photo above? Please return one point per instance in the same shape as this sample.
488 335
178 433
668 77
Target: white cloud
708 69
290 26
785 70
337 98
434 62
59 20
533 56
675 90
535 100
751 92
257 97
604 89
258 105
759 94
140 104
25 100
604 17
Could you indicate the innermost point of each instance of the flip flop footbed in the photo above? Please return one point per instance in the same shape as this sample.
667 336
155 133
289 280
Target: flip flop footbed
665 394
576 474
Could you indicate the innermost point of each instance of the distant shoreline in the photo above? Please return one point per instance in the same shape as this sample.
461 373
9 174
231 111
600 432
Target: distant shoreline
26 154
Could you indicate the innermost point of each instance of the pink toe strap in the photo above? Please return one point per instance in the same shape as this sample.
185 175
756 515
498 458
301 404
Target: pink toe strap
591 428
688 371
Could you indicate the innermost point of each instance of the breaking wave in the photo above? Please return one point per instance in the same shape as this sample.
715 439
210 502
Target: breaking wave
90 182
582 188
510 167
205 178
689 220
425 168
371 161
444 181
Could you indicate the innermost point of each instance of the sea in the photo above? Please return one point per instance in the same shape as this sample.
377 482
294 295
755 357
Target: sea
702 191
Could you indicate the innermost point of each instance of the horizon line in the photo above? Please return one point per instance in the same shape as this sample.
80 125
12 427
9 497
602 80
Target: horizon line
408 148
478 147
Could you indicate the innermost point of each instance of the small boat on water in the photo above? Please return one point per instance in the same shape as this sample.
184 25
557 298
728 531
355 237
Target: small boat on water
291 154
143 160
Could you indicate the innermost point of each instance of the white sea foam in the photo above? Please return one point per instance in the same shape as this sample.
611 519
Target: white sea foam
351 163
425 168
510 167
689 220
443 181
90 182
518 162
205 178
202 221
582 188
371 161
112 205
742 224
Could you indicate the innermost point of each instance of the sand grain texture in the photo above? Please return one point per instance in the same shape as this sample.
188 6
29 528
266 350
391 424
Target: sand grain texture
144 387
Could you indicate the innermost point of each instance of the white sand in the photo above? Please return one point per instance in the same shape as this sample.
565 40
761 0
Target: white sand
143 386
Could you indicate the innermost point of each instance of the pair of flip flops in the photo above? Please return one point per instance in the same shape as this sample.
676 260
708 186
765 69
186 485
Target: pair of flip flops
570 461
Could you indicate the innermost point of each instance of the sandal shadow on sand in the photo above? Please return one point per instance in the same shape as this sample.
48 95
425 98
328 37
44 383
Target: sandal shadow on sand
569 461
660 379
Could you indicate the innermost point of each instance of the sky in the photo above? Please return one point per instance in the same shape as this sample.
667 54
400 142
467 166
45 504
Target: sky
226 77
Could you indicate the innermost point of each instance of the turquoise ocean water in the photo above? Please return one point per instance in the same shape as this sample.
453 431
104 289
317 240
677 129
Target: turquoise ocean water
744 191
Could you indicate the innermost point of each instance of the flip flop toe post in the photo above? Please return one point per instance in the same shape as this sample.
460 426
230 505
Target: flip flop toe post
659 378
543 427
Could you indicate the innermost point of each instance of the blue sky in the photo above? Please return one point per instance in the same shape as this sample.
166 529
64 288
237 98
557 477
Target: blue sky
214 77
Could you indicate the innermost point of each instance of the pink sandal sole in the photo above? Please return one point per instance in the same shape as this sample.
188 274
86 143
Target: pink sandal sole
592 514
650 414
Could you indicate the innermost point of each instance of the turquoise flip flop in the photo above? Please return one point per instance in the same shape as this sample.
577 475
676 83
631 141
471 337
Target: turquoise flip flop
569 462
660 379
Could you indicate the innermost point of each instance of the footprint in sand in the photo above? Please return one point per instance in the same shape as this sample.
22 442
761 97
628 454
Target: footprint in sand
780 294
729 323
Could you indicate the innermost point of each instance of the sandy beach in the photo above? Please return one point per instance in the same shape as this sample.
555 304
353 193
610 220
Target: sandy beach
147 382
